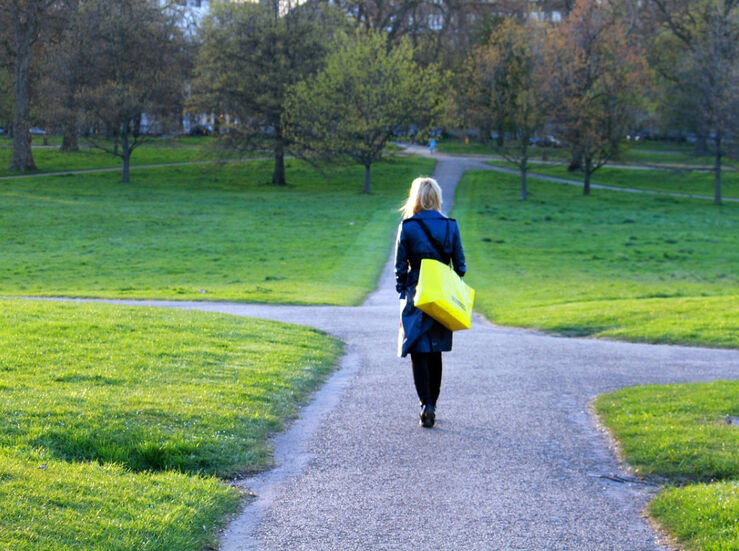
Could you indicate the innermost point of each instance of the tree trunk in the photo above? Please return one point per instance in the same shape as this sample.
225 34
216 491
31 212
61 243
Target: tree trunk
500 140
367 188
69 138
23 31
524 166
484 134
278 177
524 190
126 155
717 171
701 145
576 161
588 171
137 125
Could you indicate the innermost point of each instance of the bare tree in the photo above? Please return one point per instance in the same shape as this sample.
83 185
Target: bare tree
503 88
249 57
135 72
6 96
706 34
64 69
23 20
595 79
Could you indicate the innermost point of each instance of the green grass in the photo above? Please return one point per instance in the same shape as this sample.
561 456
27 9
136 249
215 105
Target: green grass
156 151
679 434
651 152
203 233
701 516
116 419
50 504
644 153
641 268
673 181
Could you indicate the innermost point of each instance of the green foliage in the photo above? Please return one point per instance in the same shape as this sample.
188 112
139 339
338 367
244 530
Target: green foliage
679 432
203 233
114 415
249 58
655 269
367 91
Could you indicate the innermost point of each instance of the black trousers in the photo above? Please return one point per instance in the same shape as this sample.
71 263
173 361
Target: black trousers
427 375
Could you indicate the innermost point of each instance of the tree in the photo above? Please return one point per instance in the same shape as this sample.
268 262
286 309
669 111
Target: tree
23 20
136 71
595 79
367 91
503 87
6 98
705 35
64 71
477 98
249 57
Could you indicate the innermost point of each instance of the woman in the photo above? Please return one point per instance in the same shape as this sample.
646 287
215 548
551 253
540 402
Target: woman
424 233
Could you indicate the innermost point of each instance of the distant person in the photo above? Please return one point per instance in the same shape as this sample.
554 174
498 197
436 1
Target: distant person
432 146
420 335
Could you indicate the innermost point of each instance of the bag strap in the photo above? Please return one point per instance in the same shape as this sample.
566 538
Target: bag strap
434 242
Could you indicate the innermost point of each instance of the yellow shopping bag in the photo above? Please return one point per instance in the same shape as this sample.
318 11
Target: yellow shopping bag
443 295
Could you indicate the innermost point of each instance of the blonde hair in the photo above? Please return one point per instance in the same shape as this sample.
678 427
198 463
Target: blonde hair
425 194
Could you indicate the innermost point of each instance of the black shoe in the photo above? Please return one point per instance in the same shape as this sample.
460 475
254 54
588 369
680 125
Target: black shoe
428 416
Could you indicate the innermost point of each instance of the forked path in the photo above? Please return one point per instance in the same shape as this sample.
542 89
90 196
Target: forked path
515 462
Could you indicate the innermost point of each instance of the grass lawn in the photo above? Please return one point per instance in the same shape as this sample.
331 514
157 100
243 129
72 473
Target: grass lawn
674 181
117 419
651 152
647 153
156 151
642 268
215 232
679 433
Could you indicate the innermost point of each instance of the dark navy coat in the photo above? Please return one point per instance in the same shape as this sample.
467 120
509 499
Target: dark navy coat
418 331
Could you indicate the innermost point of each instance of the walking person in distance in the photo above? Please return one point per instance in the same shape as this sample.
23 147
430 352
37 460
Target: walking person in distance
424 233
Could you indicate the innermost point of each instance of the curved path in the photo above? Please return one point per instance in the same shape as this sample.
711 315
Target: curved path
515 461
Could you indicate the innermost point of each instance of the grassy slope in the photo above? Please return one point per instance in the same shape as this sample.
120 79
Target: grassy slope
618 265
212 232
678 432
673 181
115 418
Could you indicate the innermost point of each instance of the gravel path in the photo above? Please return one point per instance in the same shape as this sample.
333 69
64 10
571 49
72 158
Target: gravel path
515 462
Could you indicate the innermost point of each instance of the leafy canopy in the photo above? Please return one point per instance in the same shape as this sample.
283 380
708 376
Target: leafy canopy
366 92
